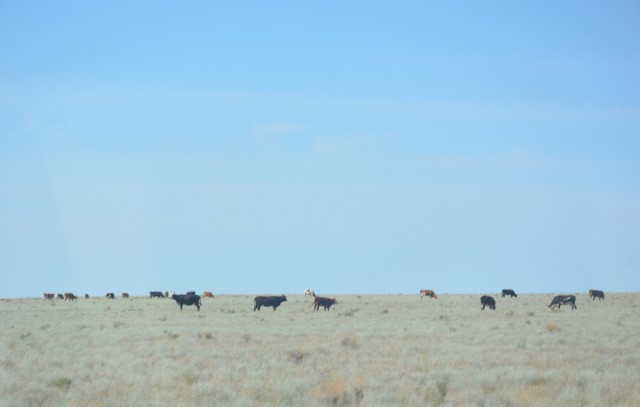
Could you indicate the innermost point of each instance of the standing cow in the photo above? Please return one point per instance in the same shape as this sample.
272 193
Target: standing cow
559 300
487 300
323 302
187 299
156 294
596 294
509 292
428 293
207 294
111 296
268 302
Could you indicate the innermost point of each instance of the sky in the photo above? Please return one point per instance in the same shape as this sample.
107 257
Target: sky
347 147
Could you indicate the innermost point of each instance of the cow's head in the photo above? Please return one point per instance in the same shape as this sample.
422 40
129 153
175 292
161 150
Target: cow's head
283 298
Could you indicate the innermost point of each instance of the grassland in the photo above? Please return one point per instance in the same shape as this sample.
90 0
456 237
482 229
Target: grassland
395 350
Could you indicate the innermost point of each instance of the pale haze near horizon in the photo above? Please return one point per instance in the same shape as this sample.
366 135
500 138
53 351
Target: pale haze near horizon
347 147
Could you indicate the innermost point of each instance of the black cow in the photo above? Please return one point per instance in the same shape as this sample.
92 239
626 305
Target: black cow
559 300
190 293
187 299
488 300
323 302
111 296
268 302
156 294
596 294
509 292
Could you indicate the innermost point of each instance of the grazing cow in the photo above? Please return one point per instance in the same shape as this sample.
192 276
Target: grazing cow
428 293
48 296
125 295
166 294
268 302
60 297
309 292
207 294
156 294
488 300
86 296
509 292
70 297
111 296
559 300
187 299
596 294
323 302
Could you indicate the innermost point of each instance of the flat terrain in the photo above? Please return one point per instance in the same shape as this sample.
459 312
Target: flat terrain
369 350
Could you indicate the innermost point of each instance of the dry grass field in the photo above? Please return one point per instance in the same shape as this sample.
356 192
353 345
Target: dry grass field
369 350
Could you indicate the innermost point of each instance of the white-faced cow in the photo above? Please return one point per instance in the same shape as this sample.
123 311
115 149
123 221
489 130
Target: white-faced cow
489 301
187 299
596 294
268 302
323 302
111 296
509 292
559 300
428 293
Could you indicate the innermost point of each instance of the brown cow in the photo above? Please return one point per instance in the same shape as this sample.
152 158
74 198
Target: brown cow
428 293
166 294
125 295
70 297
48 296
207 294
323 302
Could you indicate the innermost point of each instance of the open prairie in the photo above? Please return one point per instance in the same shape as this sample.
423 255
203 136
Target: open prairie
369 350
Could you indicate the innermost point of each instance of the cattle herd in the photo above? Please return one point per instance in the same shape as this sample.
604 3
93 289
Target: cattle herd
191 298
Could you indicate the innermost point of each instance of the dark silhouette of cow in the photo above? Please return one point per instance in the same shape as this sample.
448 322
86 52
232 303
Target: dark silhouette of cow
207 294
187 299
489 301
70 297
125 295
156 294
323 302
60 297
86 296
190 293
49 296
509 292
268 302
596 294
559 300
111 296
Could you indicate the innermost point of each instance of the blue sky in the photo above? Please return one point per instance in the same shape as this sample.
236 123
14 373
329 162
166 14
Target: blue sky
348 147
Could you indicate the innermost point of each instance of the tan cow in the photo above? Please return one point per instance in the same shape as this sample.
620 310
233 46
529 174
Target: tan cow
207 294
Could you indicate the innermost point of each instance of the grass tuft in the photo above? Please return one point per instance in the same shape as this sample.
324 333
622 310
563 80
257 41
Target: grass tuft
62 383
552 327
